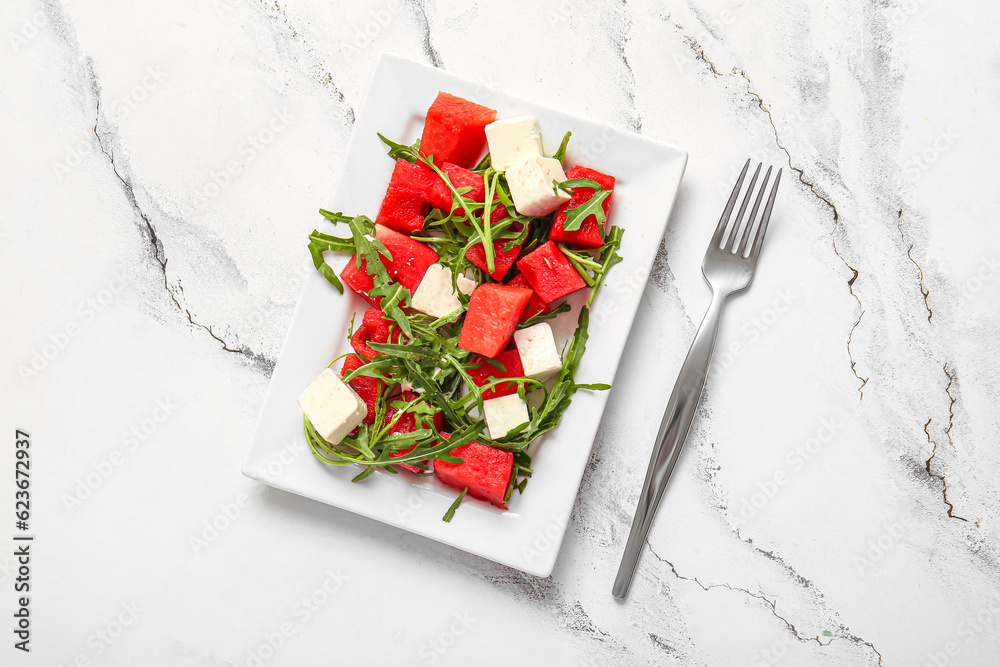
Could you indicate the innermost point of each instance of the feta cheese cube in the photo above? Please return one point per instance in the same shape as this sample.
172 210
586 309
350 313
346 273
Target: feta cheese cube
504 413
537 347
333 408
512 140
466 285
435 294
531 185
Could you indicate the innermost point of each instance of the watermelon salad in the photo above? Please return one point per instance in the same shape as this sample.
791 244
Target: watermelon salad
455 370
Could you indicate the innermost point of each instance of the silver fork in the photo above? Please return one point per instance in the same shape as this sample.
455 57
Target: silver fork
728 266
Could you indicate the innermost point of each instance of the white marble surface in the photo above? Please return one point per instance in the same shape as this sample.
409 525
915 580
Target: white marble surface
837 501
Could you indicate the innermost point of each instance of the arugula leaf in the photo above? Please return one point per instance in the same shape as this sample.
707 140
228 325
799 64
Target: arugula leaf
560 153
491 186
318 244
450 514
572 184
609 257
394 296
593 268
521 469
541 317
582 263
397 151
592 207
335 218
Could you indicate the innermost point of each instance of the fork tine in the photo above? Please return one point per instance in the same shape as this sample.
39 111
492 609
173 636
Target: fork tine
735 233
721 229
759 239
753 214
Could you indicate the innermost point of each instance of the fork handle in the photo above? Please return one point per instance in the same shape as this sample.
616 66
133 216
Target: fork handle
673 431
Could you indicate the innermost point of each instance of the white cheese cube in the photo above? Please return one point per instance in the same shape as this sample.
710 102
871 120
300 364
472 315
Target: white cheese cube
512 140
531 186
504 413
537 347
435 294
466 285
333 408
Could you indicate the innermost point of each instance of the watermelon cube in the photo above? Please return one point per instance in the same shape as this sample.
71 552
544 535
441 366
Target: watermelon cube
440 194
484 372
368 388
591 233
408 424
484 470
360 280
502 259
407 199
535 305
455 130
410 258
375 328
494 311
549 273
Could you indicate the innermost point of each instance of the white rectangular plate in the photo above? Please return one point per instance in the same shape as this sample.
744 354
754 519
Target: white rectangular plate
528 536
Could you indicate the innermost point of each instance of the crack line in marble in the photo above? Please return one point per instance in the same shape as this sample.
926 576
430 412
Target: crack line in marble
772 604
159 254
850 337
951 423
909 253
619 42
278 15
425 25
833 237
699 52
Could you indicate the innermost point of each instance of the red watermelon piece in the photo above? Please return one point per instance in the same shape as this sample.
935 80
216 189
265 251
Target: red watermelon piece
549 273
591 233
407 199
408 424
535 305
360 280
375 328
502 259
484 470
454 130
440 195
494 311
368 388
484 373
410 258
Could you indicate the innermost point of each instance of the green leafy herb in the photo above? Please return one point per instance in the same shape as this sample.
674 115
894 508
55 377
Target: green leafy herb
519 474
572 184
541 317
592 207
320 243
394 296
450 514
335 218
397 151
593 266
491 186
560 153
609 257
